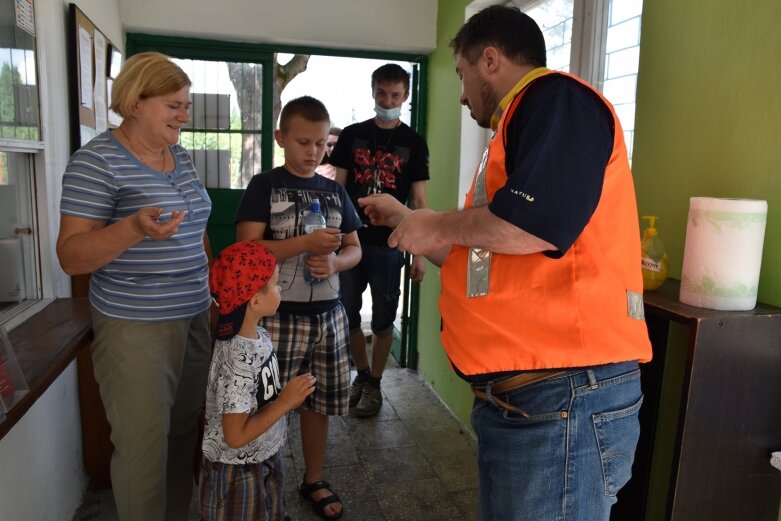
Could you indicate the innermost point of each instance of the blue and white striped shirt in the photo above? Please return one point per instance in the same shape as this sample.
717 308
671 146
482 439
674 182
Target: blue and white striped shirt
152 280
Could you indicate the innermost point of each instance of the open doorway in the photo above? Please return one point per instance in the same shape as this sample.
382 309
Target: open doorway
251 81
343 84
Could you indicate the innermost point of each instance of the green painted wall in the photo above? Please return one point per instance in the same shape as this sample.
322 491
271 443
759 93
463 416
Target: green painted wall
708 119
708 123
443 136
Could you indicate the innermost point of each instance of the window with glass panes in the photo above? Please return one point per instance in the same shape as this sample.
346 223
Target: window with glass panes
597 40
224 134
20 141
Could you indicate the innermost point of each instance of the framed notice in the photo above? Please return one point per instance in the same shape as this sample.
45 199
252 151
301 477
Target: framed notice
91 58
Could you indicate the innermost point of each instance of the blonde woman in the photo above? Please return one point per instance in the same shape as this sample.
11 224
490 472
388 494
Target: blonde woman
133 214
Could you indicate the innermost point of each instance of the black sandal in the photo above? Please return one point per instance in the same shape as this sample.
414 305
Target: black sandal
319 506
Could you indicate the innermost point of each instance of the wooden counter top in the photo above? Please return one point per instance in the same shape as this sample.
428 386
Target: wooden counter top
45 345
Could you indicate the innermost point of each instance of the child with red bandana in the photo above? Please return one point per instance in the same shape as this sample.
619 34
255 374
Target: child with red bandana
241 472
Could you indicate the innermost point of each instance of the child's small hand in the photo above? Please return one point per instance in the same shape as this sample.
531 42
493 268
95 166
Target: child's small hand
297 389
324 241
321 266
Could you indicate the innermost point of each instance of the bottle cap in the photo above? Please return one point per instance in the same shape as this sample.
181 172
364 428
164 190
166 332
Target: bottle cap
651 229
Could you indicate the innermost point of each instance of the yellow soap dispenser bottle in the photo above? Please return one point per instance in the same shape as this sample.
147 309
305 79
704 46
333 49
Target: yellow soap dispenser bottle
653 256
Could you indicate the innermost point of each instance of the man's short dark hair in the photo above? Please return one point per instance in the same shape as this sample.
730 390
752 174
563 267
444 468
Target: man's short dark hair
307 107
508 29
334 131
391 73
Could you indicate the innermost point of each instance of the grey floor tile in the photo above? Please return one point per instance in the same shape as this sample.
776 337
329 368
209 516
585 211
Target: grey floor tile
380 435
415 500
458 472
437 432
396 464
466 502
404 386
340 448
97 505
413 461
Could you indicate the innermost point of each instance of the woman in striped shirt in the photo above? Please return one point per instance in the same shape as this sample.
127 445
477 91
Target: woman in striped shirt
133 214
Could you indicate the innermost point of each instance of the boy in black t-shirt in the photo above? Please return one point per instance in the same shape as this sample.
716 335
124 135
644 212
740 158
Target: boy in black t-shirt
380 155
309 330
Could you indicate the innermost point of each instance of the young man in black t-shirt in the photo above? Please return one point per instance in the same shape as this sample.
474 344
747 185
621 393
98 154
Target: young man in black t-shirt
380 155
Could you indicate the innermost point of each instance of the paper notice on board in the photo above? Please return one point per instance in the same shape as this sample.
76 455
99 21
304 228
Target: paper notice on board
114 119
99 93
25 16
87 134
85 70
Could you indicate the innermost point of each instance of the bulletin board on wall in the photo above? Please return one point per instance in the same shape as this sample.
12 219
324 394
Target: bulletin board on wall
93 63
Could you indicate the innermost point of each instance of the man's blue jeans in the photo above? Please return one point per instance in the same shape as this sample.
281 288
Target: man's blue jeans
570 457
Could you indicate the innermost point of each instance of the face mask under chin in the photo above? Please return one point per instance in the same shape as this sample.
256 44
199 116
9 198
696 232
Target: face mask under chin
387 114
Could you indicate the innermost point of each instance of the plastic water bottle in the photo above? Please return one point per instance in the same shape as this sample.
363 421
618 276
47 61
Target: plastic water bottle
313 221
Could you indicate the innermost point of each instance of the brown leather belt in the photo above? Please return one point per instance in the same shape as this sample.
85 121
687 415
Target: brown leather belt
510 384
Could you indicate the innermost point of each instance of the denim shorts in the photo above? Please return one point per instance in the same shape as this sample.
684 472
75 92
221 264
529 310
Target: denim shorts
570 457
380 269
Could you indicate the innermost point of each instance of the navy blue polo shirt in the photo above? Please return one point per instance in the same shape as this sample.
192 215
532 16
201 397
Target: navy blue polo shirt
558 143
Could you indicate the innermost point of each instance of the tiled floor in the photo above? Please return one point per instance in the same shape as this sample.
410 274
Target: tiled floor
414 461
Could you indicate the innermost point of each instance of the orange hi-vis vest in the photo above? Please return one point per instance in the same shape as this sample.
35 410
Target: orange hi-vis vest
536 312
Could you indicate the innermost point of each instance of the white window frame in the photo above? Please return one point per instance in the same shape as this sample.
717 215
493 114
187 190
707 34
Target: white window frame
589 40
587 60
51 282
25 309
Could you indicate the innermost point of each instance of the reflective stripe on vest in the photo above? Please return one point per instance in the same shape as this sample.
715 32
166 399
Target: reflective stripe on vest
478 270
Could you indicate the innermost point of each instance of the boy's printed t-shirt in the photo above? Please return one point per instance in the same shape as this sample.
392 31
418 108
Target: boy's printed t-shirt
243 378
281 200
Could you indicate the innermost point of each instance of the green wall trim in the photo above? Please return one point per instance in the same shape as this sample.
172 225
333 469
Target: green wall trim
221 228
203 49
443 135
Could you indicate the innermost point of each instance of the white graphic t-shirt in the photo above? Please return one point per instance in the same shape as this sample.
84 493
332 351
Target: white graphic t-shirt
243 378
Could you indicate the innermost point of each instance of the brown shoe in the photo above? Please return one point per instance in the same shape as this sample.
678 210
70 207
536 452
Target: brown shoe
356 390
370 402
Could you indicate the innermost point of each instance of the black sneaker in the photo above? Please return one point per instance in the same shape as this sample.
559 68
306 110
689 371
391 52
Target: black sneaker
370 402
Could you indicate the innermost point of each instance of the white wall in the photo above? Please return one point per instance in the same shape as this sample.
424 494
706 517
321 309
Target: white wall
397 25
41 471
41 461
473 138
